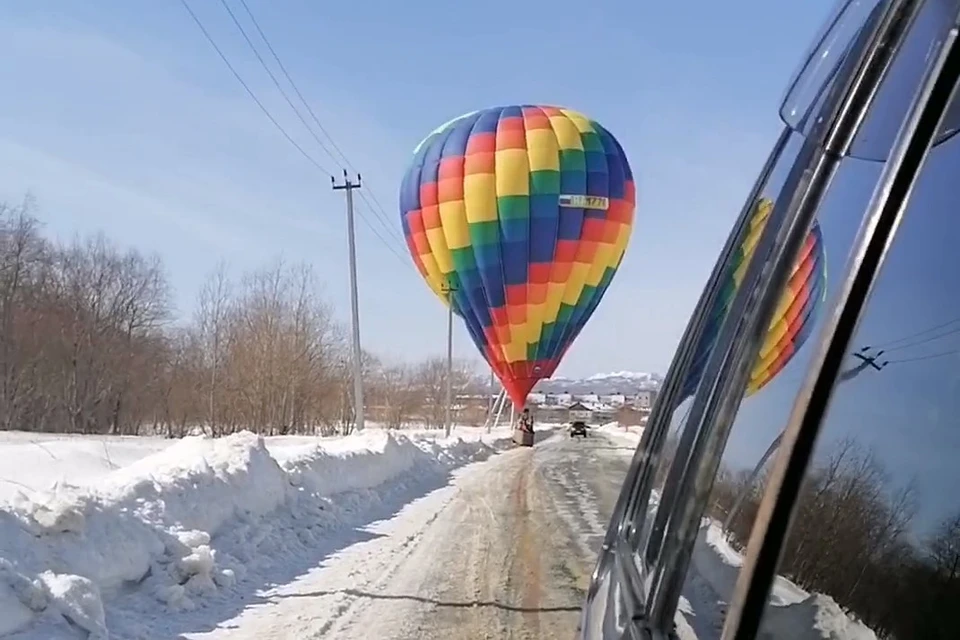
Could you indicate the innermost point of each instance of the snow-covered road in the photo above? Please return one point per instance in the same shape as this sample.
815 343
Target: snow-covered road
504 551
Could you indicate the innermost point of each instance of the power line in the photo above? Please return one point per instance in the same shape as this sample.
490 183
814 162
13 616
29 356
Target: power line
910 341
276 82
920 333
868 360
396 235
286 97
382 211
926 357
273 120
293 84
250 92
916 343
405 261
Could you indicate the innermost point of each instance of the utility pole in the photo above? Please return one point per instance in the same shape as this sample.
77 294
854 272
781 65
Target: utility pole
490 402
447 425
348 187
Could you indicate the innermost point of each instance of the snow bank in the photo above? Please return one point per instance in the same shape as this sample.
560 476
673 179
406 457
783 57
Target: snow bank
39 462
188 520
368 459
624 436
793 614
818 617
35 462
719 565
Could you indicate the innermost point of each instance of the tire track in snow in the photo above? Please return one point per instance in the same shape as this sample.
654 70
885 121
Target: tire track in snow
504 552
527 555
382 572
577 503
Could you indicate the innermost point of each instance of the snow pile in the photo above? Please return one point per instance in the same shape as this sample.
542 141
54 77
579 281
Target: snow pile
371 458
623 436
37 462
189 520
368 461
818 617
719 565
793 614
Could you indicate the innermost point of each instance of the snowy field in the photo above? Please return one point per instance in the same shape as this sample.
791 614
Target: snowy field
97 533
623 436
141 523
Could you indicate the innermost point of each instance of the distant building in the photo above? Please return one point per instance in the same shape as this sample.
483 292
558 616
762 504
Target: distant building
603 413
644 399
589 407
591 412
579 411
615 399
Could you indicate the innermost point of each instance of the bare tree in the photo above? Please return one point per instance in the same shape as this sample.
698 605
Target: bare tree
23 258
850 538
278 371
211 319
393 393
178 405
945 549
431 377
140 309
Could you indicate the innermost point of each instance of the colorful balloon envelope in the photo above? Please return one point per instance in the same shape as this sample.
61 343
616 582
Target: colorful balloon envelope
794 318
519 217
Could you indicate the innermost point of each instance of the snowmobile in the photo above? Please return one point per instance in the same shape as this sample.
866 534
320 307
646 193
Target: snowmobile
874 95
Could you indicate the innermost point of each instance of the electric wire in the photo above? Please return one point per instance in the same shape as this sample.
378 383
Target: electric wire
313 116
256 52
274 121
250 92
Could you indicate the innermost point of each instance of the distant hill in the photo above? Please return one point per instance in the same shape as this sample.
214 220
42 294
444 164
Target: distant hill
626 382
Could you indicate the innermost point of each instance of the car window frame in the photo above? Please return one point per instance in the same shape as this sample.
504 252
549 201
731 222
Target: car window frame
918 136
648 601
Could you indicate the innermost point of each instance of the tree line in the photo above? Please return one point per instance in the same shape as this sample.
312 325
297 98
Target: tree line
90 343
853 538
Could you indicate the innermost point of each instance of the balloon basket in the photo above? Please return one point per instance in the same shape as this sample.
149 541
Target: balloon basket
523 438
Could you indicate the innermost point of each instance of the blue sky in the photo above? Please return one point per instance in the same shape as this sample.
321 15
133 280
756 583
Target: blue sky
120 117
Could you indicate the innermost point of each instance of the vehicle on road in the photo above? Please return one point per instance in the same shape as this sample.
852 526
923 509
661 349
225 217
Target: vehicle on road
578 428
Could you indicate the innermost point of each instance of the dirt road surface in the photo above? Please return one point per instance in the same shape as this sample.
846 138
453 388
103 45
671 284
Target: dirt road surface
504 552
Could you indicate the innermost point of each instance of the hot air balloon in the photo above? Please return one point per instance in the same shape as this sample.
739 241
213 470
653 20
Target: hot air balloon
793 319
519 216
